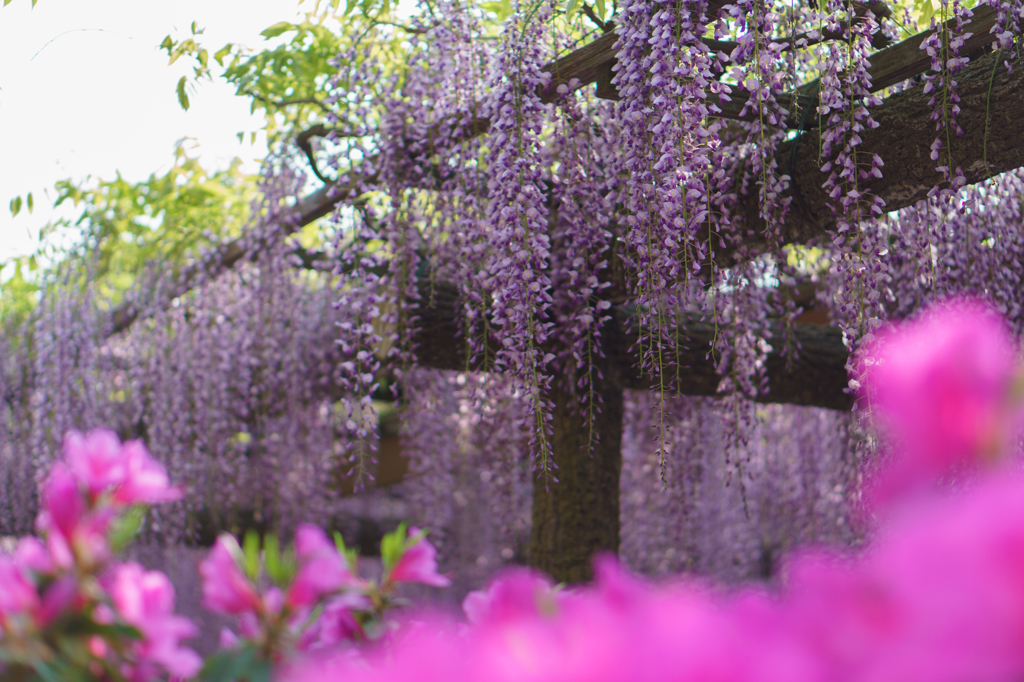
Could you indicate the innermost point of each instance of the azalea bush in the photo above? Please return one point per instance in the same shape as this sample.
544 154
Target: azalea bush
69 610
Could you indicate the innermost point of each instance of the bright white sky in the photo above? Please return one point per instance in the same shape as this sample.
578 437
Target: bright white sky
76 102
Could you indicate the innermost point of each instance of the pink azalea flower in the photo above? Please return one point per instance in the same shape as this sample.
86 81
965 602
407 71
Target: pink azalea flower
18 593
95 459
418 565
101 463
322 569
59 598
226 589
942 385
145 480
31 553
71 533
335 625
514 594
145 599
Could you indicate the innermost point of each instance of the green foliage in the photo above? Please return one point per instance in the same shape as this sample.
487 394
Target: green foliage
287 80
351 554
243 663
251 552
126 526
16 204
165 218
18 292
279 566
394 544
124 225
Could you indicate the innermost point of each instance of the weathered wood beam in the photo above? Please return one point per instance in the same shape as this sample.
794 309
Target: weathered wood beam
815 377
886 67
993 142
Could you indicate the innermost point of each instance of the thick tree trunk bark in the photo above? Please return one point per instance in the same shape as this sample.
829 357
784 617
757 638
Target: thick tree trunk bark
577 516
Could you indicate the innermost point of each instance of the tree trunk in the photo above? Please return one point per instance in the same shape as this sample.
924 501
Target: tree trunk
577 516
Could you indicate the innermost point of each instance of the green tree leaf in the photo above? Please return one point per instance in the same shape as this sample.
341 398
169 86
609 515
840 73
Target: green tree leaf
182 95
277 29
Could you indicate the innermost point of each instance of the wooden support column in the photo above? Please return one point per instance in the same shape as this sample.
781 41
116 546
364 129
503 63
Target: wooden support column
577 516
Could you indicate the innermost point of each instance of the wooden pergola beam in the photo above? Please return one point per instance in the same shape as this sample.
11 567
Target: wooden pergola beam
813 375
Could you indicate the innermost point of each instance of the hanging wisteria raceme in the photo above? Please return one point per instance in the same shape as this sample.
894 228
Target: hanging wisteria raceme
980 252
856 277
237 386
943 47
800 478
235 381
470 471
665 153
581 242
519 240
765 79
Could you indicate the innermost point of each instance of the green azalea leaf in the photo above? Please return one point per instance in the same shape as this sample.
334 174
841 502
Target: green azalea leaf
228 666
221 53
272 562
251 551
392 546
126 526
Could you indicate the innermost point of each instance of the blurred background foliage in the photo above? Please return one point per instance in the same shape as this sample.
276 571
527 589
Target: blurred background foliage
168 218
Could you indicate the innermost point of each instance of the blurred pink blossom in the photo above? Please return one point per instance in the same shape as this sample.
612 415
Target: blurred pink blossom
101 463
18 593
942 386
513 594
336 625
72 534
418 565
60 597
226 590
145 599
95 459
145 480
322 569
31 553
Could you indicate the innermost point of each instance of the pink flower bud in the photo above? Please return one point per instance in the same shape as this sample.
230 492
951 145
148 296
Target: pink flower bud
418 565
322 569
